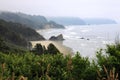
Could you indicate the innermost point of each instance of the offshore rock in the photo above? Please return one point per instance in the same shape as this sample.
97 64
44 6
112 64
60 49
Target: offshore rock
57 38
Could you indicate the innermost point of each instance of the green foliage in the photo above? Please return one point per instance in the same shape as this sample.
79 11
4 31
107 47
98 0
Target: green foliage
10 48
83 69
59 67
52 49
38 49
18 34
110 75
111 59
114 50
46 67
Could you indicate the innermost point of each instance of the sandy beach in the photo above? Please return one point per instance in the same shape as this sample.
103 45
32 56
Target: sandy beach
63 49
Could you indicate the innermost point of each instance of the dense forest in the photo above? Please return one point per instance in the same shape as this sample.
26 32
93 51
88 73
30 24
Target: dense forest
17 35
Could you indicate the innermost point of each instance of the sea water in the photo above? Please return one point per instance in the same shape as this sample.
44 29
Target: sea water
86 39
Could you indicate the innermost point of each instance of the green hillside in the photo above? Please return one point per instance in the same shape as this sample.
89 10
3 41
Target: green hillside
32 21
17 34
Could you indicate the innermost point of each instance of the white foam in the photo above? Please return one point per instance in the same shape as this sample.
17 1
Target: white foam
85 30
73 33
97 36
83 44
69 28
107 42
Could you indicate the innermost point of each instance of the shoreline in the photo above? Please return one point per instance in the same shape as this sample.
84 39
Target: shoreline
62 48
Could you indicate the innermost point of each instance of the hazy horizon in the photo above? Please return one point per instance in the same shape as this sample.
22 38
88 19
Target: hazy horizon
69 8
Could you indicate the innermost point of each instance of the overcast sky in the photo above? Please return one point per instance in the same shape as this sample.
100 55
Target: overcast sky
75 8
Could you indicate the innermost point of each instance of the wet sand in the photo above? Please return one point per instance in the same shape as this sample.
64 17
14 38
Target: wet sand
63 49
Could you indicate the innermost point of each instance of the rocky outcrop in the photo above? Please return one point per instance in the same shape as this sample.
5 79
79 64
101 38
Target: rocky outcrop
57 38
84 38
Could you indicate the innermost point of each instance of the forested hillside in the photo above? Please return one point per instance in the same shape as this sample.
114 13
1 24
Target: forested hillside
18 34
32 21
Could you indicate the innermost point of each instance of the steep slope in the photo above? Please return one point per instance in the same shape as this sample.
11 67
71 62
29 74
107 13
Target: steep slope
32 21
18 34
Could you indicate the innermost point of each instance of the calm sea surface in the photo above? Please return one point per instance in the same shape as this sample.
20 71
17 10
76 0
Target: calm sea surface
86 39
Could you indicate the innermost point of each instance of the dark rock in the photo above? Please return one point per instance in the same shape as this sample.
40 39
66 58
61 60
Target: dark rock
58 38
88 39
53 38
82 38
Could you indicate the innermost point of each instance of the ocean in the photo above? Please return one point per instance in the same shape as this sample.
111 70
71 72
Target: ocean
86 39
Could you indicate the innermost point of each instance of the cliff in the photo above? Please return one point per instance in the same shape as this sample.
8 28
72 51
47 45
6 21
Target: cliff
32 21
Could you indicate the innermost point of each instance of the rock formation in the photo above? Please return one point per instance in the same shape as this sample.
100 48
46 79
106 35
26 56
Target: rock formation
57 38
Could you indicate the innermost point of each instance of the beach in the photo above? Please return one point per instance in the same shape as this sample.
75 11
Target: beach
62 48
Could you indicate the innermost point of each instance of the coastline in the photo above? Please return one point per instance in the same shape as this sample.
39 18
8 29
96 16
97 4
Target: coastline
63 49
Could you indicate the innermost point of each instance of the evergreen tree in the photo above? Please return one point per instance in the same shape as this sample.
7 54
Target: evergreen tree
38 49
52 49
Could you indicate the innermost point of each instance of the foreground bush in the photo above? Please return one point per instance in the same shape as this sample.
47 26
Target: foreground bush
110 59
29 66
46 67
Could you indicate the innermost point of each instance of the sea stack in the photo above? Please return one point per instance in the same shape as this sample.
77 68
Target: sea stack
57 38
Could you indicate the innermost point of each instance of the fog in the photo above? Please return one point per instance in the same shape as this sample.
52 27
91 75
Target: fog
76 8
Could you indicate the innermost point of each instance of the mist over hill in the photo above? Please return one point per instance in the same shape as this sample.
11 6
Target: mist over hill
32 21
68 20
98 21
79 21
